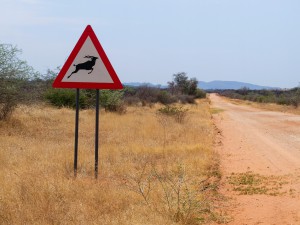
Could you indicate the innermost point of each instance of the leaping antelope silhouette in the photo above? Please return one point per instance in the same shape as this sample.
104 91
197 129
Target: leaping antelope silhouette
88 65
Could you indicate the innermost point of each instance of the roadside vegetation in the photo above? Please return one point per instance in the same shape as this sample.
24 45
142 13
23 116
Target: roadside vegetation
154 168
289 97
156 165
180 90
250 183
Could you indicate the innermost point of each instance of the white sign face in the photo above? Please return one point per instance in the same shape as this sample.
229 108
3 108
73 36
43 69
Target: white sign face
87 67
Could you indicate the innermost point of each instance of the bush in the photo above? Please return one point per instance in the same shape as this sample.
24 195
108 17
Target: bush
184 99
112 101
7 105
129 91
147 95
13 74
179 113
132 100
200 93
165 98
260 99
281 97
66 98
8 100
282 101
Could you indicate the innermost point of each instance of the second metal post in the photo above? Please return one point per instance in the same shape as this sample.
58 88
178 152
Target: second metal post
97 133
76 133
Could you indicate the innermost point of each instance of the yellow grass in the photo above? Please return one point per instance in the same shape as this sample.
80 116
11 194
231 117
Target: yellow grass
152 169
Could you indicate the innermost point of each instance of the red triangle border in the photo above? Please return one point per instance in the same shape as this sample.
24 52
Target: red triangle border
88 32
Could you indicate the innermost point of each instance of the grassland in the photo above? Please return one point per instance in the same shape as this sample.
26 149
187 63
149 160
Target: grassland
153 170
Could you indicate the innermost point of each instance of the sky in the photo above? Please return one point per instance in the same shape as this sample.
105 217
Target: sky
254 41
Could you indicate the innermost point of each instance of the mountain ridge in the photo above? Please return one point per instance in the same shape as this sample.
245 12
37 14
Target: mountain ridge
211 85
219 84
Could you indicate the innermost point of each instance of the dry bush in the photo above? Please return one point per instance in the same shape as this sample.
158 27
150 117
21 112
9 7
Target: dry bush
144 176
172 193
132 100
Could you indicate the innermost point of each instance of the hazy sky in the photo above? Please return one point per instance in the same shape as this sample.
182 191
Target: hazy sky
256 41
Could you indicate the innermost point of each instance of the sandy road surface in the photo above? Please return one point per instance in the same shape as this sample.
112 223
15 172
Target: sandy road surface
266 144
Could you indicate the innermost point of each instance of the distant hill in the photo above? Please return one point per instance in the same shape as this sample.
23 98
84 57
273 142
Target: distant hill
217 84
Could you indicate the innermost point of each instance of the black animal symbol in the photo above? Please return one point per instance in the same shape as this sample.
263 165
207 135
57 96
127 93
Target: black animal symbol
88 65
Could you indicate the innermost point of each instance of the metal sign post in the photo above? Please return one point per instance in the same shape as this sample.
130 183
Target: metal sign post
76 132
97 133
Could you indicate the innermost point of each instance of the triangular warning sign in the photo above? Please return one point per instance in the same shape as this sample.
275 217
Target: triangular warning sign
87 66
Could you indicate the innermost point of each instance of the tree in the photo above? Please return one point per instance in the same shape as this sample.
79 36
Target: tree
172 87
183 85
181 82
192 86
14 72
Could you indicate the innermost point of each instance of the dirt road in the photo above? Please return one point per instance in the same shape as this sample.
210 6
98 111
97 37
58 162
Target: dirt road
260 162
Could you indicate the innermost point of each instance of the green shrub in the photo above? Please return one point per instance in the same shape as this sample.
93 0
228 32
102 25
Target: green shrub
179 113
112 101
282 101
165 98
281 97
260 99
8 98
200 93
14 72
66 98
294 101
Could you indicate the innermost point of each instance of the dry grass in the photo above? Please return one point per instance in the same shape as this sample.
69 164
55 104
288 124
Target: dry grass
152 169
